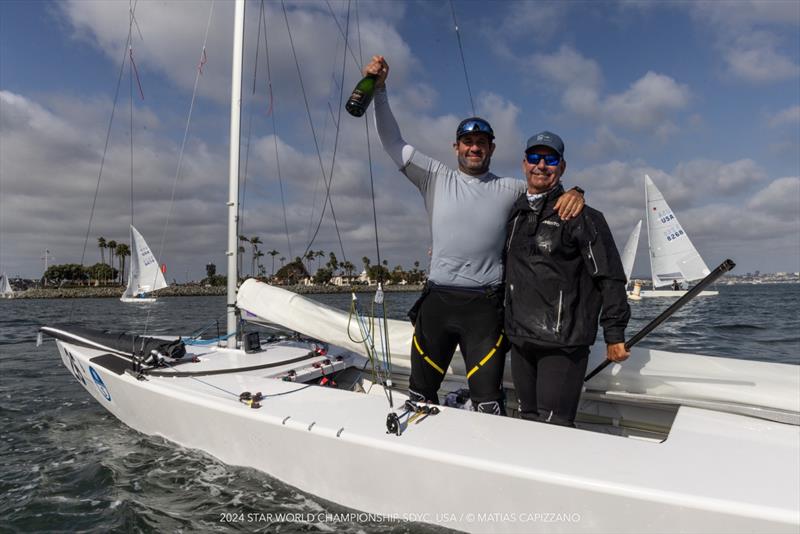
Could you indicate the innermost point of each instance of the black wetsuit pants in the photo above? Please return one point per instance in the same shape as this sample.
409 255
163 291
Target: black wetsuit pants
471 319
548 381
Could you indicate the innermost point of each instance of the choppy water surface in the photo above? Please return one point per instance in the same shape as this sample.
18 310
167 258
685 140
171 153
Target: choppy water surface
68 465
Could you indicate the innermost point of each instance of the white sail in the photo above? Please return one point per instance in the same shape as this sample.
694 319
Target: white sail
629 252
145 274
5 286
672 254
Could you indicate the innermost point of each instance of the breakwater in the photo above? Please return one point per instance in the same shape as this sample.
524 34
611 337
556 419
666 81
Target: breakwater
190 290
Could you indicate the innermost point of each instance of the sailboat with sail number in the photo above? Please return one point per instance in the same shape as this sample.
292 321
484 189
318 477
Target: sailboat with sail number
145 275
674 260
676 441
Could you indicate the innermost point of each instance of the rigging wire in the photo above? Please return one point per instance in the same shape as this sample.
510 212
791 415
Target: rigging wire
183 149
338 121
342 33
275 138
130 72
108 138
463 62
314 135
383 326
186 132
334 87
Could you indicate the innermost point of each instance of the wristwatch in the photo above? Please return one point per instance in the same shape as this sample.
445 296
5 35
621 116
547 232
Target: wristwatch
578 189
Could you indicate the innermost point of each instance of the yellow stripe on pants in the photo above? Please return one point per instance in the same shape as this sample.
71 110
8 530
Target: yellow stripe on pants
487 357
426 358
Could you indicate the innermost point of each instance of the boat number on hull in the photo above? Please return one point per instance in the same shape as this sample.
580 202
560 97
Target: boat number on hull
75 368
101 386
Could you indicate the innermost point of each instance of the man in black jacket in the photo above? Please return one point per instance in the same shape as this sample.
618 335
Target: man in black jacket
559 276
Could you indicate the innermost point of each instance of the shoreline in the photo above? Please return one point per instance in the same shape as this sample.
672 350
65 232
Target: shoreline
194 291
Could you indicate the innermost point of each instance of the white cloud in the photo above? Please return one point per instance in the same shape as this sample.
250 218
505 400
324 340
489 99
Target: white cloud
605 144
173 35
643 106
718 177
790 116
781 198
756 58
578 77
754 37
539 21
647 102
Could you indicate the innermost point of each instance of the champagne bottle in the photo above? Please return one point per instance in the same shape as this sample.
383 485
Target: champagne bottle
362 96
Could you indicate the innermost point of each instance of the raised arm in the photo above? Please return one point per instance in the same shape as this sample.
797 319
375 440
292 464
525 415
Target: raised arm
388 130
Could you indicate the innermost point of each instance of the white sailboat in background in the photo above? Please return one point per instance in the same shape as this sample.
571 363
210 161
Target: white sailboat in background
674 260
145 275
6 292
629 257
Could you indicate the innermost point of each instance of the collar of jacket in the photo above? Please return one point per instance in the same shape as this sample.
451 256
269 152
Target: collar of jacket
522 205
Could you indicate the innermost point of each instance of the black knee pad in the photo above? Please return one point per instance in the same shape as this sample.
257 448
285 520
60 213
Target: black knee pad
491 407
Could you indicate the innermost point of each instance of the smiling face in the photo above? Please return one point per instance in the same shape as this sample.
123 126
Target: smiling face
542 177
474 151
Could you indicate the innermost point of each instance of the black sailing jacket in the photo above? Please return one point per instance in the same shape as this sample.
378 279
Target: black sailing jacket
560 274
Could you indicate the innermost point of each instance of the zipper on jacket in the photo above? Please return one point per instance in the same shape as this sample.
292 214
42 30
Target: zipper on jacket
558 319
513 229
591 255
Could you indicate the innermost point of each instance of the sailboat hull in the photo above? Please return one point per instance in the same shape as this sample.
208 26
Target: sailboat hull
142 300
669 293
462 470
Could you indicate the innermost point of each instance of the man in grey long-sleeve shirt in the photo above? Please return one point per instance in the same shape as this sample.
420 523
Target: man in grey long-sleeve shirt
462 304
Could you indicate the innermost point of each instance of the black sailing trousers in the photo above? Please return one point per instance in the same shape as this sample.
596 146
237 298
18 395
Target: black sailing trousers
548 381
472 319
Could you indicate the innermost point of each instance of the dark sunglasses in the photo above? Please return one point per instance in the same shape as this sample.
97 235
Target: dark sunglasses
549 159
474 126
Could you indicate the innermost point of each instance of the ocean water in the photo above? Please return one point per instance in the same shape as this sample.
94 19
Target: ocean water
68 465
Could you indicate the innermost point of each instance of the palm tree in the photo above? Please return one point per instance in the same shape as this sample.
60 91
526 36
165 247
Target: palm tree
320 254
273 253
241 253
283 259
122 250
333 262
348 268
112 248
258 256
101 242
255 241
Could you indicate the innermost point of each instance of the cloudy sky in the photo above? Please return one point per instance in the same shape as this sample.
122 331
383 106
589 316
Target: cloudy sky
702 96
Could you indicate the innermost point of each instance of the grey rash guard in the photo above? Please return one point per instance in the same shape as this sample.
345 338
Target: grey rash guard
467 213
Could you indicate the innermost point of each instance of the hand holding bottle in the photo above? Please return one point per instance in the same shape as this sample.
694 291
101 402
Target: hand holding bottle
378 67
374 76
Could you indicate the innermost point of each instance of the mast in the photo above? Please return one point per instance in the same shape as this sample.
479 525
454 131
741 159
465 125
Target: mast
649 239
233 177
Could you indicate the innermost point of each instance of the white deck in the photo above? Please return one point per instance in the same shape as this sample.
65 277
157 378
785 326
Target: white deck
715 472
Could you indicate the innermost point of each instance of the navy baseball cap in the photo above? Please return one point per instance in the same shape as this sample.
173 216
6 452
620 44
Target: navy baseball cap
474 125
548 139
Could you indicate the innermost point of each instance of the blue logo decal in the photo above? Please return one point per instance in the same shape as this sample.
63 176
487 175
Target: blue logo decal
99 383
